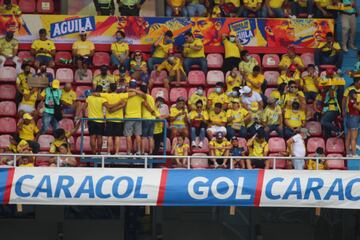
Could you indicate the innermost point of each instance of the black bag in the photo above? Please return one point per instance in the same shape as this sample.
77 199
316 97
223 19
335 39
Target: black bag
57 109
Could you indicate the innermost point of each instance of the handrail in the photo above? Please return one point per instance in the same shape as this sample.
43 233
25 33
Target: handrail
146 158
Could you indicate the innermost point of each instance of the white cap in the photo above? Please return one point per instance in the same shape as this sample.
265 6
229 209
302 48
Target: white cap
245 90
83 31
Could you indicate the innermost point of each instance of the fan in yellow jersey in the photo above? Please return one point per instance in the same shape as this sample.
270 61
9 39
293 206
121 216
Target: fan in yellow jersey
161 48
294 119
159 126
290 74
22 81
291 58
217 121
198 118
178 118
8 50
27 104
247 63
232 48
293 94
218 96
258 148
274 8
256 80
180 149
83 51
43 49
120 50
104 79
194 53
114 128
329 52
237 118
252 7
68 101
219 147
199 94
138 66
174 68
272 118
62 137
95 110
233 80
27 128
310 83
133 110
149 113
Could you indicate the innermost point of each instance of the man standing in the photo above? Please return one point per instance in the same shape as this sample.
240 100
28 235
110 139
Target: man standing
130 7
8 50
133 110
51 97
162 47
104 7
148 113
296 145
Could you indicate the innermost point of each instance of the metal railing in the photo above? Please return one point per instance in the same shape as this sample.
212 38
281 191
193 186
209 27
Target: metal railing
122 119
149 159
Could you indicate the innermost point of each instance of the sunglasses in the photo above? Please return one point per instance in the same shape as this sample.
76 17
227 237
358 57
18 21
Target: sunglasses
138 55
293 86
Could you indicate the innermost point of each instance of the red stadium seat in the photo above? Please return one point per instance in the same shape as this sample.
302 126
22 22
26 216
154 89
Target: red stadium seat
276 145
271 78
313 143
257 57
324 67
335 145
204 149
101 58
214 60
209 91
168 147
191 91
50 70
155 90
65 75
159 80
7 109
27 6
86 144
199 162
280 163
12 1
175 93
270 61
7 74
7 125
42 161
80 91
268 91
196 77
314 128
307 58
338 164
62 55
7 92
45 142
310 111
45 6
67 124
214 76
25 56
84 80
4 141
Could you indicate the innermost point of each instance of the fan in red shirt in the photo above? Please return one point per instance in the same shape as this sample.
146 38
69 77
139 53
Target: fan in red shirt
353 120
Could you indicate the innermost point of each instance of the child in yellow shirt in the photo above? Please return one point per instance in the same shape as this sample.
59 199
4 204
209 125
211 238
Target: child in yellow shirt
180 149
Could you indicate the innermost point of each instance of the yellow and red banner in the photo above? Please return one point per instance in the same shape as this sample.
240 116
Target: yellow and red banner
145 30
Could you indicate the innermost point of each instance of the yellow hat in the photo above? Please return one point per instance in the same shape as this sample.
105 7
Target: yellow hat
27 116
232 33
55 84
235 100
254 106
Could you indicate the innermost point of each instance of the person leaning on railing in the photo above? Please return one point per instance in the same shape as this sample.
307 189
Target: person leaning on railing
63 161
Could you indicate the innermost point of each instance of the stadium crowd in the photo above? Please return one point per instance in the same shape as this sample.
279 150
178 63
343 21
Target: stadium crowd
241 114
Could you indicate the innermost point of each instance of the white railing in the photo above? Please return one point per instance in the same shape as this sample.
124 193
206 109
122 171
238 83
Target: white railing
146 159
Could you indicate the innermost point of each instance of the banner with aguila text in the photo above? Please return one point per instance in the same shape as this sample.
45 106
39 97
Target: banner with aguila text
164 187
145 30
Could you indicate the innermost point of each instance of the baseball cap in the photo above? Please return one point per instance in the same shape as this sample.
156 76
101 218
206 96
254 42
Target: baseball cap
27 116
55 84
171 51
245 90
219 135
235 100
271 100
234 139
82 31
232 33
305 131
133 83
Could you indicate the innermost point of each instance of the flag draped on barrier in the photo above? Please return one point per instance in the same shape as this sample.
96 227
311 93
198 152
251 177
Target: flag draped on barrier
162 187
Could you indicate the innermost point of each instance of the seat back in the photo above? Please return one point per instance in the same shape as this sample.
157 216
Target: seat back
199 162
65 75
7 125
7 109
335 145
45 6
270 61
4 141
271 78
313 143
158 80
155 90
45 142
214 60
196 77
257 57
214 76
84 79
175 93
307 58
7 91
27 6
314 128
276 145
336 163
7 74
101 58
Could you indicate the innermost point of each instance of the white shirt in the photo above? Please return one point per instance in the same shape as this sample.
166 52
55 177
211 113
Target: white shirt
298 147
255 97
